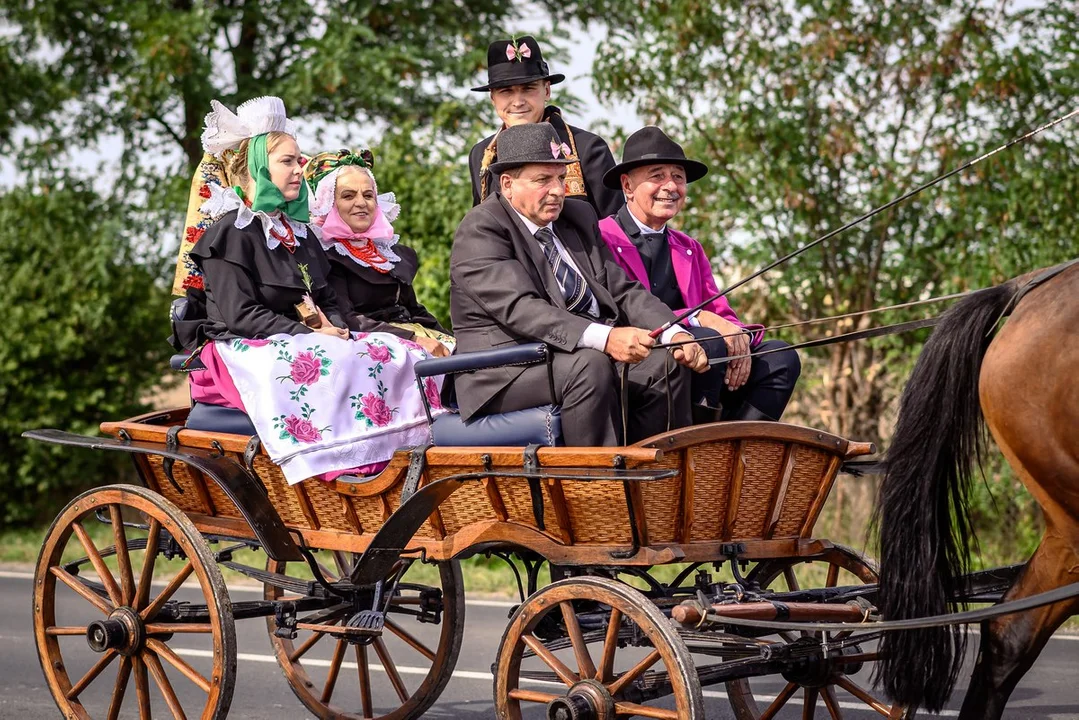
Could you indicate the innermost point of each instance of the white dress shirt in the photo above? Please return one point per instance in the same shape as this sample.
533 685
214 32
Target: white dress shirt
595 335
645 229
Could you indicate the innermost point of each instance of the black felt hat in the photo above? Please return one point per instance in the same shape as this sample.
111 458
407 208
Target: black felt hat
528 144
651 146
516 62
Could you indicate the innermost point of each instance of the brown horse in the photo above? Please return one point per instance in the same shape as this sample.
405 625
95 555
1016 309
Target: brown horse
1027 378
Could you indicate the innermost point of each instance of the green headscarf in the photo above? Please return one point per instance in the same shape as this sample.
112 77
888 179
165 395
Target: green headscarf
268 197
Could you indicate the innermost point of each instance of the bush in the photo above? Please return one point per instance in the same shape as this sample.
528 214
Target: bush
82 339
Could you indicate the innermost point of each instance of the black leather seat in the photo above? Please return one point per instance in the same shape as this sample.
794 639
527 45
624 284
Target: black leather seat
216 418
541 425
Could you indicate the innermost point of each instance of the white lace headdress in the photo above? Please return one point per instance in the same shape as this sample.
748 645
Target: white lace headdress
225 130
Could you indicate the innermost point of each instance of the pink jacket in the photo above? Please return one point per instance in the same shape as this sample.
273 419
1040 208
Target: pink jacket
692 269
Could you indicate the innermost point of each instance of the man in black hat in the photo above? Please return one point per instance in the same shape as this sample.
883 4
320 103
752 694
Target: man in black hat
653 176
519 82
526 267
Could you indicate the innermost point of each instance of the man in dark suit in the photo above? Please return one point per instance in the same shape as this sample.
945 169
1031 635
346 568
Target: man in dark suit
527 266
519 82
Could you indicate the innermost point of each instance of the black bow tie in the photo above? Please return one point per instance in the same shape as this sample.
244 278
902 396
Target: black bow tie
654 236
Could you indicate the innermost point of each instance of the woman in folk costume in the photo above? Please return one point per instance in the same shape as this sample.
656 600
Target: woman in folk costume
323 401
369 271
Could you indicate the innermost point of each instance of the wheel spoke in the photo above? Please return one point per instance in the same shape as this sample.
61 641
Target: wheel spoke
567 676
153 538
98 562
791 578
120 688
174 628
531 696
179 663
633 673
149 612
809 706
828 695
784 695
142 688
164 685
387 662
309 643
123 557
860 693
610 645
365 680
57 631
629 709
82 589
833 576
335 667
91 674
342 563
408 638
585 666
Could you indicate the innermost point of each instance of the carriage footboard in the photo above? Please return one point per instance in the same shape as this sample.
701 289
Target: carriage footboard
245 491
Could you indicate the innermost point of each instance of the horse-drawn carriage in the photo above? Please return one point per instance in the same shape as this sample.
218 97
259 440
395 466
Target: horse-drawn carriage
371 565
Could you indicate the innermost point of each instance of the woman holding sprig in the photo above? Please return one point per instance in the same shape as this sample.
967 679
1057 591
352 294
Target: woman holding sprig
276 343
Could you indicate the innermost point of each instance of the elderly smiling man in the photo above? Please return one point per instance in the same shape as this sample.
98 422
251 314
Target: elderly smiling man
653 176
519 82
526 267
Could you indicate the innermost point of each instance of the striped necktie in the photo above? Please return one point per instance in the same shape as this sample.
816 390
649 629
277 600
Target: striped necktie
575 290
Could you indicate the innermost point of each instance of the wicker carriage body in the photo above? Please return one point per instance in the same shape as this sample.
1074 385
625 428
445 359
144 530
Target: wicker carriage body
761 485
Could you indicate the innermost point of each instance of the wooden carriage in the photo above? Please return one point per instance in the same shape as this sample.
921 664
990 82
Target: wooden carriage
341 558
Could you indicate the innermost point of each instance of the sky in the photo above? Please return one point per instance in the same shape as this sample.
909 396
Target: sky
580 43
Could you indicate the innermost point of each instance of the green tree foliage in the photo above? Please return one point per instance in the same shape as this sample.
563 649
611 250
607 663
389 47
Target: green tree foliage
811 112
82 341
147 69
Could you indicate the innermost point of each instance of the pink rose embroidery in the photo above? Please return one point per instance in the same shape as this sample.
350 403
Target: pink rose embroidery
411 345
379 353
306 369
256 343
430 389
376 410
302 430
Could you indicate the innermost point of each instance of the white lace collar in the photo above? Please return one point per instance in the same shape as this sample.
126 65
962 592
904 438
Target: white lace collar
383 245
225 200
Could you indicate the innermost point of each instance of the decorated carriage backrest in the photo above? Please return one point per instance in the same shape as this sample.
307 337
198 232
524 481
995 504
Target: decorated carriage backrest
211 171
743 482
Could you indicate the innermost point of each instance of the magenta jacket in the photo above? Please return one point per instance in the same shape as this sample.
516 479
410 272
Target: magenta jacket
691 268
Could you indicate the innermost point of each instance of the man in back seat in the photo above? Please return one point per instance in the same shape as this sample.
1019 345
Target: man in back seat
527 266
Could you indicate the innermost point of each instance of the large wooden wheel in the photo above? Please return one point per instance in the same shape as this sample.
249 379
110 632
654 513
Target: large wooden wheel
414 659
85 624
827 686
639 667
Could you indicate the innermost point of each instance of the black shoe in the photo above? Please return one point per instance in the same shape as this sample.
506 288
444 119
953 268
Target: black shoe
706 414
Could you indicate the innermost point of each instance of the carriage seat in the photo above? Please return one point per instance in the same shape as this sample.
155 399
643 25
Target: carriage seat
541 424
211 418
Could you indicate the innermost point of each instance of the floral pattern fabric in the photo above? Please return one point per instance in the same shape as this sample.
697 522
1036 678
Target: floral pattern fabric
322 404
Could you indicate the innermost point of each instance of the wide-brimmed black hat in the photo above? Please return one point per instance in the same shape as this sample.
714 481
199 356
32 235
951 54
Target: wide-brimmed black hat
516 62
528 144
651 146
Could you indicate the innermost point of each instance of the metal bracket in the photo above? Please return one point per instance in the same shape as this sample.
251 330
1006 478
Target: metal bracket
635 536
417 464
285 620
250 452
532 466
172 442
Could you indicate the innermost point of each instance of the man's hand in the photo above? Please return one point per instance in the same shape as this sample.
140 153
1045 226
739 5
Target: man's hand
691 355
333 331
628 344
433 347
737 344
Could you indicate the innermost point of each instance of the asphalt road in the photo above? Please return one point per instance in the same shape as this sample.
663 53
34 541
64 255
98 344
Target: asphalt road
1050 690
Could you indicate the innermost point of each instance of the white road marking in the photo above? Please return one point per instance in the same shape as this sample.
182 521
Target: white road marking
484 676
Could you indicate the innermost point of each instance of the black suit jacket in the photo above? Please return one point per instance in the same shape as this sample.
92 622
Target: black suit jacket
596 159
503 292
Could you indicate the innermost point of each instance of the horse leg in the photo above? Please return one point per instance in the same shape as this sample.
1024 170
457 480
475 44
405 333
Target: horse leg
1011 643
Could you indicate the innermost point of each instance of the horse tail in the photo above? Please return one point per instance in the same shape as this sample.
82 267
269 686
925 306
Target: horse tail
923 511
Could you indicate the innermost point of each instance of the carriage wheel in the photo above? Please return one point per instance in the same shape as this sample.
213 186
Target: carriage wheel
619 679
839 566
119 615
387 690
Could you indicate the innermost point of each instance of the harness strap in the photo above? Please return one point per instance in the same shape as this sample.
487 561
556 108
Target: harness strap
532 469
417 464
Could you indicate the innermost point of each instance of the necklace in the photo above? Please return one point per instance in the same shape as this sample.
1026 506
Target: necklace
288 239
367 253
